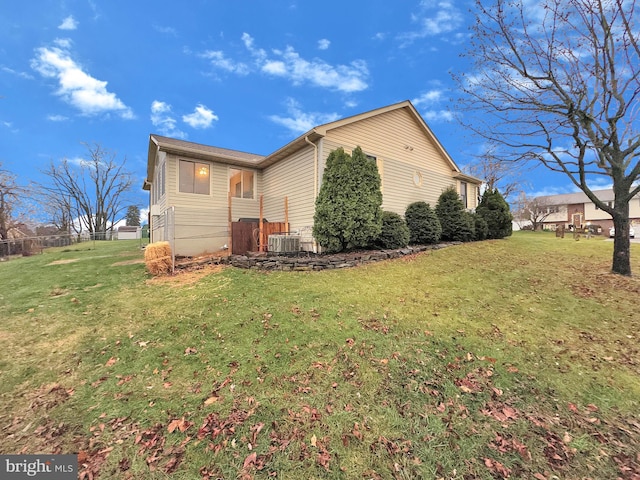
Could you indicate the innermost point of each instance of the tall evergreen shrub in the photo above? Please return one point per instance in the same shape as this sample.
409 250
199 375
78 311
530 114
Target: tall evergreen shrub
451 213
424 225
482 228
495 210
348 208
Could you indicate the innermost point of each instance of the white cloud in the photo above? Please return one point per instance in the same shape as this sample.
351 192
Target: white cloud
275 68
436 17
324 44
162 119
79 89
57 118
431 99
344 78
16 73
438 116
288 64
219 60
68 23
202 117
166 30
428 98
299 121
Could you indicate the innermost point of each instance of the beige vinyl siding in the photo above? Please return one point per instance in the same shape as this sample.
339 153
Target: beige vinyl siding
396 135
293 178
202 221
200 230
591 213
157 228
401 190
245 207
561 216
403 151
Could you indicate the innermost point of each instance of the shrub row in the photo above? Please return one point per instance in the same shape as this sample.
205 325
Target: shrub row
349 215
449 221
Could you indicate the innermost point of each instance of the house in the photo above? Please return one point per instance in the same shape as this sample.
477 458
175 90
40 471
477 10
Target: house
198 193
576 209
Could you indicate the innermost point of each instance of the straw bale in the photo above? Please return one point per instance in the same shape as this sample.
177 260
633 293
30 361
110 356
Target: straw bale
157 257
157 250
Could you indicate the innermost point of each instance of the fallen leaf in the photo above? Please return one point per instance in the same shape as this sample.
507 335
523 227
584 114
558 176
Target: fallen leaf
211 400
314 441
179 424
496 467
250 460
111 362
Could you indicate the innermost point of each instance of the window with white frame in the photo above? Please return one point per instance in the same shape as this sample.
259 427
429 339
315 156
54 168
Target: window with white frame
463 193
194 177
241 183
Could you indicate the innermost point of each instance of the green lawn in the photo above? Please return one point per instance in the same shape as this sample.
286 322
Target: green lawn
516 358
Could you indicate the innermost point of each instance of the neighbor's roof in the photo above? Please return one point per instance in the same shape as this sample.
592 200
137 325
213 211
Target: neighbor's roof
577 197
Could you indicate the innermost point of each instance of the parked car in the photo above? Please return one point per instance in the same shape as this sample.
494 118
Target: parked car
612 232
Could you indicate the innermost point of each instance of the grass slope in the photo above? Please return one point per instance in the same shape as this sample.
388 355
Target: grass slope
501 359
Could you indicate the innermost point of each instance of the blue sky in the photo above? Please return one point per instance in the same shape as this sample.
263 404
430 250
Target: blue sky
243 75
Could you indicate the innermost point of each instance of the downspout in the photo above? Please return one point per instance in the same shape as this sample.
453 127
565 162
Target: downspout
315 180
155 161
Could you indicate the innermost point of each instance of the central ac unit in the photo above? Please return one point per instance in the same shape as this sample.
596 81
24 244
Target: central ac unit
284 243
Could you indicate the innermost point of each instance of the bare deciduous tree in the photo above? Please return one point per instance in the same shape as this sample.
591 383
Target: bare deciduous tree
497 174
10 194
557 82
89 194
532 211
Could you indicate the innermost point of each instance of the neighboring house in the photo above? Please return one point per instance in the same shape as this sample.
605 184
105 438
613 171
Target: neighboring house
578 210
198 191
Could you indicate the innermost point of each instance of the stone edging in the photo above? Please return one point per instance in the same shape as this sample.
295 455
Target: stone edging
306 261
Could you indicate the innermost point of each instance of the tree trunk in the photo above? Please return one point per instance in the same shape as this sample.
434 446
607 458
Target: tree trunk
621 243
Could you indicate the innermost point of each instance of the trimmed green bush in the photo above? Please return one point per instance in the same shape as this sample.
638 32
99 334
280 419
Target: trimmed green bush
481 227
451 213
395 233
348 211
424 225
495 210
467 231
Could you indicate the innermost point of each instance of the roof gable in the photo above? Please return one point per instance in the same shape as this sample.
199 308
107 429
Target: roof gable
205 152
321 131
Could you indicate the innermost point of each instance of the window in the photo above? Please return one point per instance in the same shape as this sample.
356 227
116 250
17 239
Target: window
241 183
463 193
157 188
194 177
609 204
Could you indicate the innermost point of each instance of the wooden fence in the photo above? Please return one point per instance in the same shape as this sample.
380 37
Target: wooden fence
246 235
